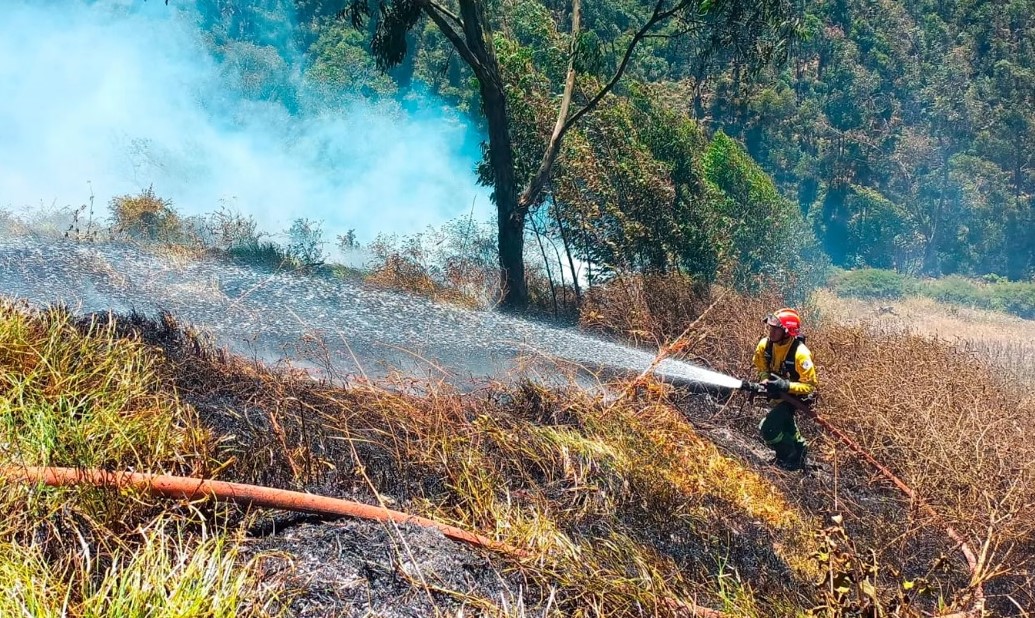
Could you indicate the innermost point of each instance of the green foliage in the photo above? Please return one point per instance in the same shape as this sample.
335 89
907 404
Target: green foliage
877 228
264 254
860 227
677 141
341 64
768 242
79 397
77 392
1014 297
907 134
928 108
956 290
992 292
391 28
873 283
305 242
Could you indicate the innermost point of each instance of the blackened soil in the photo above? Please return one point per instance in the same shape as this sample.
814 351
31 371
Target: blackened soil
359 568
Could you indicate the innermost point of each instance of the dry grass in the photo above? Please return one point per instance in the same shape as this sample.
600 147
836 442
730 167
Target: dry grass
647 310
623 509
433 268
78 394
1005 341
623 506
943 415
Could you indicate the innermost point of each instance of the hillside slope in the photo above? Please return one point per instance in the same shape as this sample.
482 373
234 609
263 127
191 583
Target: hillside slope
647 505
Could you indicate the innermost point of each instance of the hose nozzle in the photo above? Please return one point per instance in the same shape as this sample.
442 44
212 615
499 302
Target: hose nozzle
752 387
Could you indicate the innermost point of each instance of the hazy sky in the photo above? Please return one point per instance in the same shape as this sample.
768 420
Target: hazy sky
114 96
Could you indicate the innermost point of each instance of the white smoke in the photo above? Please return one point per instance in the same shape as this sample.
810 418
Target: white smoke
111 97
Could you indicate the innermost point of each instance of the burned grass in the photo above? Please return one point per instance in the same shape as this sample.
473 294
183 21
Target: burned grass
942 415
620 509
624 507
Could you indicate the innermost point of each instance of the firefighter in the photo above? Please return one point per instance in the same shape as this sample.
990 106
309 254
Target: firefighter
785 368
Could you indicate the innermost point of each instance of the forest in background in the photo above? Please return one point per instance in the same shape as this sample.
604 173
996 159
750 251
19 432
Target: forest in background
888 135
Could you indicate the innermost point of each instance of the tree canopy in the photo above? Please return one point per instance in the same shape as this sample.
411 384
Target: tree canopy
519 170
883 134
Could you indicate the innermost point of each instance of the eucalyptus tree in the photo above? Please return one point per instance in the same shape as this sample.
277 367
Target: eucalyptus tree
763 28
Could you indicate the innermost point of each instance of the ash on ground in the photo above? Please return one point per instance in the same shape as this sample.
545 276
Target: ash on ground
353 568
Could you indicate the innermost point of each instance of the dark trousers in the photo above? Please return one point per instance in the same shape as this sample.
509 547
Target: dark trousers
780 433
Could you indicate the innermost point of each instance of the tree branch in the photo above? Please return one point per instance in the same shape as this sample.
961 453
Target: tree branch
535 186
451 15
657 17
445 20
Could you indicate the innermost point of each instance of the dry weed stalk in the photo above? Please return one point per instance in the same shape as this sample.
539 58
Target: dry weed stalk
934 412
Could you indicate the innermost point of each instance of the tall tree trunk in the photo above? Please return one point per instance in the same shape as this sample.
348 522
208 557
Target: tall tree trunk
560 269
1017 257
698 106
589 261
510 215
932 263
511 238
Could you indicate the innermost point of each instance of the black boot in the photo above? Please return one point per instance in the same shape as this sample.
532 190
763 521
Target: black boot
796 459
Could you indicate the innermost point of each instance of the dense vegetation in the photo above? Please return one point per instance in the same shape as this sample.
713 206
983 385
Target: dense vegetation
903 133
860 134
991 293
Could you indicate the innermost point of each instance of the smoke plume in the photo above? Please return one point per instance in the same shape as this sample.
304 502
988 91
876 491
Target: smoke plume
110 97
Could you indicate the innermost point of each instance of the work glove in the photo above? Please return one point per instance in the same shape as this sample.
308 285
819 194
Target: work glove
774 387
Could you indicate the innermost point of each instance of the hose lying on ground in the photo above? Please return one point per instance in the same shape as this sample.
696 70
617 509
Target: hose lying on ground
188 488
974 562
240 493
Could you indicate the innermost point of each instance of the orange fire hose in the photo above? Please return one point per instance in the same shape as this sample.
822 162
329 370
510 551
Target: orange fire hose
188 488
192 489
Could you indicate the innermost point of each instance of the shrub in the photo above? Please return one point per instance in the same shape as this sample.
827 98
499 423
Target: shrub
229 229
872 283
145 217
957 290
456 264
261 254
1017 298
305 244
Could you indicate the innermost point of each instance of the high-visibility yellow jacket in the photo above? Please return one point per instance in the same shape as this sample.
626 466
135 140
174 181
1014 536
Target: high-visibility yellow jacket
801 372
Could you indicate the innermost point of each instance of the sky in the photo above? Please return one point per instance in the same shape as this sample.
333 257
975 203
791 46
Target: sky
108 97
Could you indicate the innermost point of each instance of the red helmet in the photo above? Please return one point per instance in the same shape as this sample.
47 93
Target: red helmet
787 318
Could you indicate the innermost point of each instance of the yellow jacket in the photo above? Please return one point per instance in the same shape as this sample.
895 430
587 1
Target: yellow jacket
806 381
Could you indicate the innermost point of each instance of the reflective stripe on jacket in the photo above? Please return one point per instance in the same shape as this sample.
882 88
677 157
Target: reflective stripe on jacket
805 383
